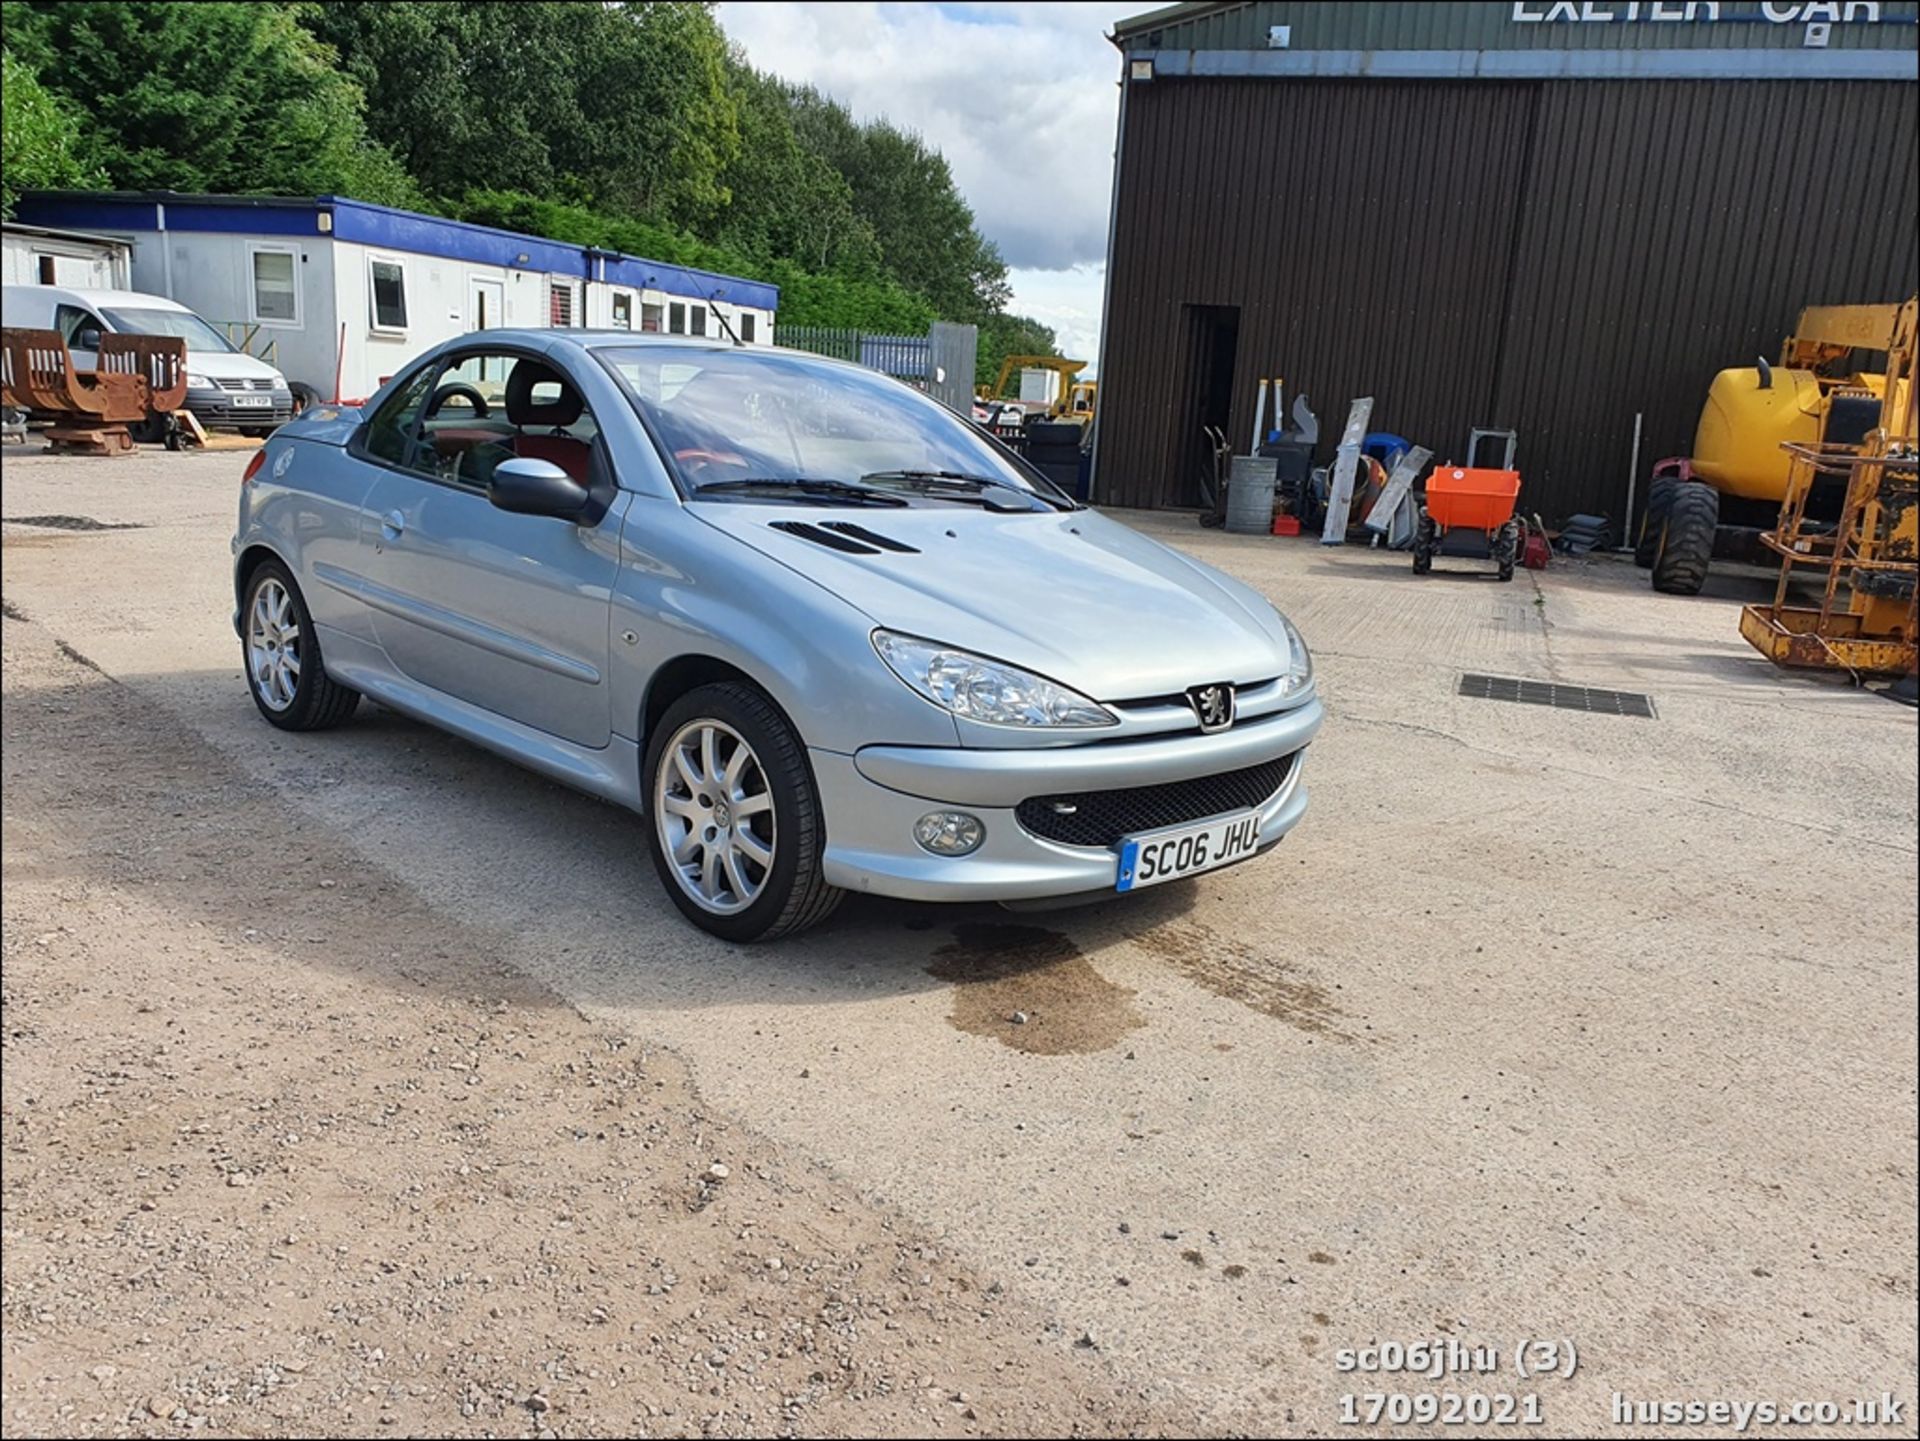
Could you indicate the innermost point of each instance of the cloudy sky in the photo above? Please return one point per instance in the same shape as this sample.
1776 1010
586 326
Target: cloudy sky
1020 99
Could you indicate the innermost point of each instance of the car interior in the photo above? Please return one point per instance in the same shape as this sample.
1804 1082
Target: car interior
490 408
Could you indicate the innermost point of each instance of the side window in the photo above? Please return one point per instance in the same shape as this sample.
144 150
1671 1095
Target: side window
387 294
392 434
70 320
276 292
493 406
677 318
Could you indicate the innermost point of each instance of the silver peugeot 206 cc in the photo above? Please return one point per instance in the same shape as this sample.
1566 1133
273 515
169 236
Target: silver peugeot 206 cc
822 633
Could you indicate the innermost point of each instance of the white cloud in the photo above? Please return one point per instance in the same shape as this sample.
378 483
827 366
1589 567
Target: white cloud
1019 98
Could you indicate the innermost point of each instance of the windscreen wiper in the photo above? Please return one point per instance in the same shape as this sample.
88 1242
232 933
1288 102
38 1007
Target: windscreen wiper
945 482
790 487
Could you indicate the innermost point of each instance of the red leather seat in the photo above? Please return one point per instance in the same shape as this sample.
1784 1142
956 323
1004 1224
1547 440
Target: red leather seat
558 405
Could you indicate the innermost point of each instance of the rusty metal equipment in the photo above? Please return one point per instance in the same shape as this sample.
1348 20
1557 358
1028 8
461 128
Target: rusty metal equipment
1867 564
139 377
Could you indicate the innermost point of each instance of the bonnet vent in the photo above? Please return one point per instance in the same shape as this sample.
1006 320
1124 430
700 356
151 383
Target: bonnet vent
843 536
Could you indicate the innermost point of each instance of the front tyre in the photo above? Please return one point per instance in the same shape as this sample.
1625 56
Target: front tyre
1686 539
736 831
287 678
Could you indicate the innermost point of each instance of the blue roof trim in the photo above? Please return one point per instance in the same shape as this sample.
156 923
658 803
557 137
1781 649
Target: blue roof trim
383 227
1540 64
379 225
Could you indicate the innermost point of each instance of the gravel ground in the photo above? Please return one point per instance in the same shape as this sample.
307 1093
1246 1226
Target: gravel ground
1544 1024
287 1152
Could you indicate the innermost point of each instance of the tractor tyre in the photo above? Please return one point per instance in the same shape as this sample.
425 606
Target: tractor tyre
1686 539
1659 502
1506 546
1424 537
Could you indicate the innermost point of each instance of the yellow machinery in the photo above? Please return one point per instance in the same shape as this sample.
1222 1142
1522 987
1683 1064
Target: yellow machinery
1073 399
1866 562
1741 472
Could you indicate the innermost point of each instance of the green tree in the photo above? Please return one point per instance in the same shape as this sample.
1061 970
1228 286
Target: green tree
216 97
904 189
39 136
625 106
1003 335
785 199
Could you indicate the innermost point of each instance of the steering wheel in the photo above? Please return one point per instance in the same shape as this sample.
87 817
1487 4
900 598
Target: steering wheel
463 391
697 460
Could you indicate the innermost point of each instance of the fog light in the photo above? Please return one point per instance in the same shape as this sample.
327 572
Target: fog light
949 833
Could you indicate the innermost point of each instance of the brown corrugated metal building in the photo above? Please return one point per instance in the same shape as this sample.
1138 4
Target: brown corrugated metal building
1538 216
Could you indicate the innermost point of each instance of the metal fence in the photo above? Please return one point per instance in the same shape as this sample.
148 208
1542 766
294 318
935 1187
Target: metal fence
940 362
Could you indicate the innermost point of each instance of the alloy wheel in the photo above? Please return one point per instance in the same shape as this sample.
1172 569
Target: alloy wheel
714 808
273 645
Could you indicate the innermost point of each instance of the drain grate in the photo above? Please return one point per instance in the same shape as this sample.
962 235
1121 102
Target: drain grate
70 522
1563 697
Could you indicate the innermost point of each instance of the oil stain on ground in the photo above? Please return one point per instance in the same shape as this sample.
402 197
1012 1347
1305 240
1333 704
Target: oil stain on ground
1000 971
1238 972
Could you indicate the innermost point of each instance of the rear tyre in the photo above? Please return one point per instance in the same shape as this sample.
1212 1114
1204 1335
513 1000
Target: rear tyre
1424 537
1506 546
281 650
735 826
1659 502
1686 539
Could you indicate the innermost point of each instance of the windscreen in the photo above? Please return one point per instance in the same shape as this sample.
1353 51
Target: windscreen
183 324
779 416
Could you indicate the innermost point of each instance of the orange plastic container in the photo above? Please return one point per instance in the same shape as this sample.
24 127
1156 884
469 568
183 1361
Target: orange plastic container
1463 499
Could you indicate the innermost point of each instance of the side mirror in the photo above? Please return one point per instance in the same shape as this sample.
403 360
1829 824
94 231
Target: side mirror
88 339
530 486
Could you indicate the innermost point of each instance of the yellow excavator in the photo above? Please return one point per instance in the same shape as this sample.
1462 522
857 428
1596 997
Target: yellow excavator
1739 476
1073 399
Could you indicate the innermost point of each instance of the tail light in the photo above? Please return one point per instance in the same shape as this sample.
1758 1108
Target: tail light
253 466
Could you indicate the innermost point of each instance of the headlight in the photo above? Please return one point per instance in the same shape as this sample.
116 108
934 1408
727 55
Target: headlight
198 382
1299 662
979 689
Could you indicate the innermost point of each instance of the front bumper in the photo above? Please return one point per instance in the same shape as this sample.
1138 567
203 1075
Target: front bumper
872 799
217 408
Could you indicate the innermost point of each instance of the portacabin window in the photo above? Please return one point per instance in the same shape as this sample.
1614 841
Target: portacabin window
387 294
622 311
676 318
698 315
649 318
276 284
747 327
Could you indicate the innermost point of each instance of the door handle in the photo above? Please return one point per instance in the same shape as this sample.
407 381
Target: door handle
392 523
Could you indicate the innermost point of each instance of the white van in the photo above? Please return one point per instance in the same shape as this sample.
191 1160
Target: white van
226 387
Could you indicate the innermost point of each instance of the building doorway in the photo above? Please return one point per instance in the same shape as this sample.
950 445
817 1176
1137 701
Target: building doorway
1210 336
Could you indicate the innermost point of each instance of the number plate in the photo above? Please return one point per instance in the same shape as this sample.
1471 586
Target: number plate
263 402
1166 855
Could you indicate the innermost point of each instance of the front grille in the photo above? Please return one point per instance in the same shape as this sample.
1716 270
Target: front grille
1101 818
230 383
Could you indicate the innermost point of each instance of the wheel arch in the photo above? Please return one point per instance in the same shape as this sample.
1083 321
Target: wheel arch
684 673
251 558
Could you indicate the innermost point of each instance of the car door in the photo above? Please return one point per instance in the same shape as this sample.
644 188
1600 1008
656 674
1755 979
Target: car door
508 612
73 322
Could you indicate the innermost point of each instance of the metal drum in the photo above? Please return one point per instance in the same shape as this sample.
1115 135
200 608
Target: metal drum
1250 495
